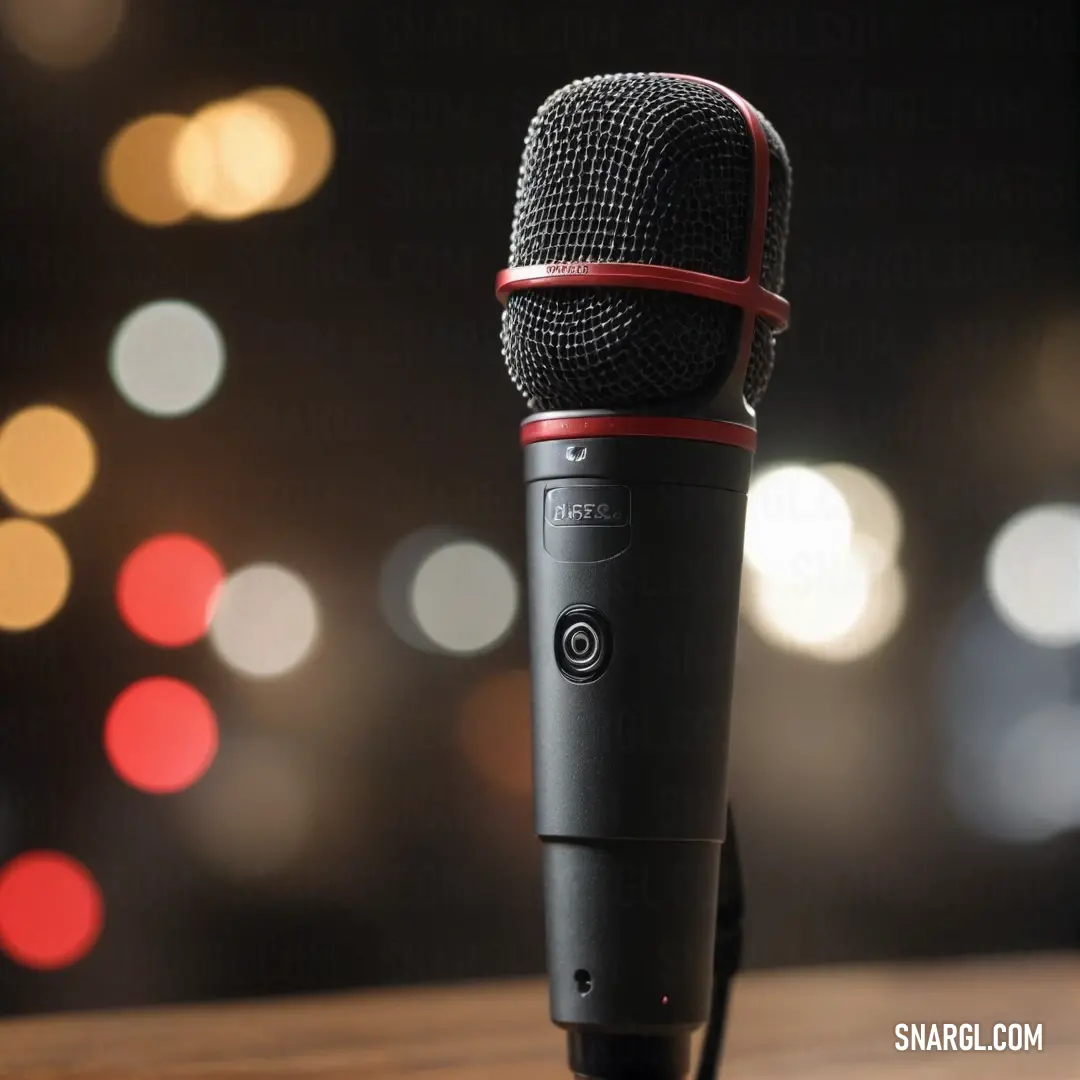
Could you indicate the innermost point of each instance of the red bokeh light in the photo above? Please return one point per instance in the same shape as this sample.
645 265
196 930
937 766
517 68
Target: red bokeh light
166 587
160 735
51 910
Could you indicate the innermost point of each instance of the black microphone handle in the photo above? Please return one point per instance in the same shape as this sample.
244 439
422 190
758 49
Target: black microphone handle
634 558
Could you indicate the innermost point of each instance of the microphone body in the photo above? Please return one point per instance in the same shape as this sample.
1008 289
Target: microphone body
634 563
641 302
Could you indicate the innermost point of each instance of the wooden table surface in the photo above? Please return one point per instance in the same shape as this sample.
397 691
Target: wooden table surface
824 1024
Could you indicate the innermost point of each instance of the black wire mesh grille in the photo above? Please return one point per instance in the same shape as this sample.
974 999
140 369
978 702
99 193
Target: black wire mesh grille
649 169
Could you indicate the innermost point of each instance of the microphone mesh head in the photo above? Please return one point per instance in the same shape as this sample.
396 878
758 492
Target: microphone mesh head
639 169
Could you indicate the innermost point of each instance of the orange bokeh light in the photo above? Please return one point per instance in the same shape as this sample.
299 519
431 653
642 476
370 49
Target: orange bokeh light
35 574
135 170
312 138
232 159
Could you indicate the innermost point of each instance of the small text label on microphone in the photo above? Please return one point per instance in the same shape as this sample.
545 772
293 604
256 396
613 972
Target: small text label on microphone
560 268
583 512
588 505
1012 1038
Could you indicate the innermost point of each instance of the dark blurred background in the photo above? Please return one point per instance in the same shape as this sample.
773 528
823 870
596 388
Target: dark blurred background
250 359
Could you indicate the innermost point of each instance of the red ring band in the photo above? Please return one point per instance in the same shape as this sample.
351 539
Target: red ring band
747 294
545 429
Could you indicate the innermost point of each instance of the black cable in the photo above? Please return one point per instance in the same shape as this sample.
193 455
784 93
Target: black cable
727 954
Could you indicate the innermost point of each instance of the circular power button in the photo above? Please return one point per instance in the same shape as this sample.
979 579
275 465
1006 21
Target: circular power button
582 643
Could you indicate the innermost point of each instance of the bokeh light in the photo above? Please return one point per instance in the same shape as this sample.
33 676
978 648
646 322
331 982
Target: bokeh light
62 33
312 139
821 576
878 621
495 731
265 621
166 588
51 910
35 574
1033 574
844 614
396 576
167 358
232 159
160 735
1037 774
253 813
876 521
992 677
464 597
1005 708
47 460
819 609
136 170
798 524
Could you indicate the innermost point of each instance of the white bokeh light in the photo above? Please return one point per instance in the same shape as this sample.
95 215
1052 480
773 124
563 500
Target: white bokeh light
265 621
1021 783
464 597
1033 574
877 524
1012 727
167 358
821 576
798 525
396 578
819 609
876 624
1038 775
844 614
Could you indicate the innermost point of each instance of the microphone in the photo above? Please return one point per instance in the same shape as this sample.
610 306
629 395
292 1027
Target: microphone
641 302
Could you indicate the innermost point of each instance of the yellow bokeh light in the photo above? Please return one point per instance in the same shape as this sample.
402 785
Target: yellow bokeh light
62 33
232 159
35 574
136 170
312 139
47 460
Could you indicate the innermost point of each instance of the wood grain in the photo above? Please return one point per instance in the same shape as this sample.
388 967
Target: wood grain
825 1024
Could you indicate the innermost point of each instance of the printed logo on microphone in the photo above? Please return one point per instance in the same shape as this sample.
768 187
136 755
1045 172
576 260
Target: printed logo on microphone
588 505
576 453
571 268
